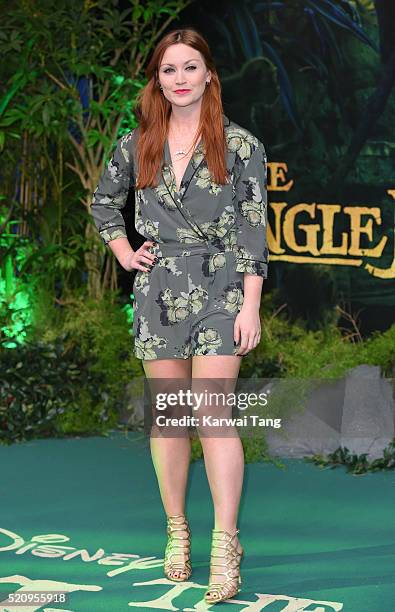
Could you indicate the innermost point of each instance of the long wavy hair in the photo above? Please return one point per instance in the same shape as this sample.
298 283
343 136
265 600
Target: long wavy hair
153 113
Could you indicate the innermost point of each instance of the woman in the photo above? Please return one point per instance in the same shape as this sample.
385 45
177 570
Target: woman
200 185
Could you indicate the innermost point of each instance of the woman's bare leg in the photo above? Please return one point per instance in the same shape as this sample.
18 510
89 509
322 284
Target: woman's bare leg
223 456
171 456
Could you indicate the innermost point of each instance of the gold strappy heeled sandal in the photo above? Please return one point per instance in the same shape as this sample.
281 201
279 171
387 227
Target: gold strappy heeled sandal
178 546
231 557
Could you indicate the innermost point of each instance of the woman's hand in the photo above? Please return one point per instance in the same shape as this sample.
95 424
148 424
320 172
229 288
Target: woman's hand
247 328
134 259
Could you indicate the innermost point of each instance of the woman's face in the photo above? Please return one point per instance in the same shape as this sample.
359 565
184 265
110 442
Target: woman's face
183 74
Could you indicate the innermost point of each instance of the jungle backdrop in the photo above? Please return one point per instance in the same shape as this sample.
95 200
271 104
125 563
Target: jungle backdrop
313 79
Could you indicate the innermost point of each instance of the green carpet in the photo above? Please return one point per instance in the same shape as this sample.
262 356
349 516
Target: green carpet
84 515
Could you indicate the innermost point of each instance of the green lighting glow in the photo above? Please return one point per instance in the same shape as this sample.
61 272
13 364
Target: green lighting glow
16 294
118 79
128 309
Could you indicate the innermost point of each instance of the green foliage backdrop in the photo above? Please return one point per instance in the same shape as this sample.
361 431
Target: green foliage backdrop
67 90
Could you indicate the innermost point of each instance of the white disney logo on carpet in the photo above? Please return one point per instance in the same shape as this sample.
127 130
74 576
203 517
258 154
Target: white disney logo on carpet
42 546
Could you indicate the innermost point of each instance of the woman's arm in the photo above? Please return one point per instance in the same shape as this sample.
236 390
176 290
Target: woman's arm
252 256
110 197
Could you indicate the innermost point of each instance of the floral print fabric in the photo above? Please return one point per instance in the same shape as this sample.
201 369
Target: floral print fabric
207 236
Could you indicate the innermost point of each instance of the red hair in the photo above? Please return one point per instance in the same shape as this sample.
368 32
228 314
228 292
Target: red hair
153 113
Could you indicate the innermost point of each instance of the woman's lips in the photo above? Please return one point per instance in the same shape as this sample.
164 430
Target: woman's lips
182 91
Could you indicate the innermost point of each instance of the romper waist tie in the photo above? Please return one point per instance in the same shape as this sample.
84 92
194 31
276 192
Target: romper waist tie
175 249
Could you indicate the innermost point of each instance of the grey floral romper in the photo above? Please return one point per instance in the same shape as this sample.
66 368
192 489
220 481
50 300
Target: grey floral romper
207 236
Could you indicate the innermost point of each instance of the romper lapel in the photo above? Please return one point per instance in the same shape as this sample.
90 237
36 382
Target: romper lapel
194 163
168 172
169 181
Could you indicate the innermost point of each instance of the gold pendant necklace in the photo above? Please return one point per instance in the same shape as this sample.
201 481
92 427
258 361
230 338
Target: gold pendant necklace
182 151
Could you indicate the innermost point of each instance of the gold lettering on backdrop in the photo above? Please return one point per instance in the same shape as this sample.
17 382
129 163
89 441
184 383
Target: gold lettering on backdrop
328 220
305 232
277 173
311 231
389 272
357 229
274 240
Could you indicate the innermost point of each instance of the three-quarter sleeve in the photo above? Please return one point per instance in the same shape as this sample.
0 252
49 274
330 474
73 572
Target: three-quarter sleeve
252 255
112 191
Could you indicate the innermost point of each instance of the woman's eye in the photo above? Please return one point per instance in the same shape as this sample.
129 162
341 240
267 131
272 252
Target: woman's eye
166 70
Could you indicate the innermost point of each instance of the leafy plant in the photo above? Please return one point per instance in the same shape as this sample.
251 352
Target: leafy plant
72 74
289 350
99 328
356 464
47 389
261 30
70 374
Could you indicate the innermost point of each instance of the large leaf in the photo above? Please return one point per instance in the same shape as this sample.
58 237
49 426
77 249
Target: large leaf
333 12
286 89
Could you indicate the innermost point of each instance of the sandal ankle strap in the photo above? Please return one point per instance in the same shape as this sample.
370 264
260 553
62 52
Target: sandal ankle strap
173 526
219 533
173 518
